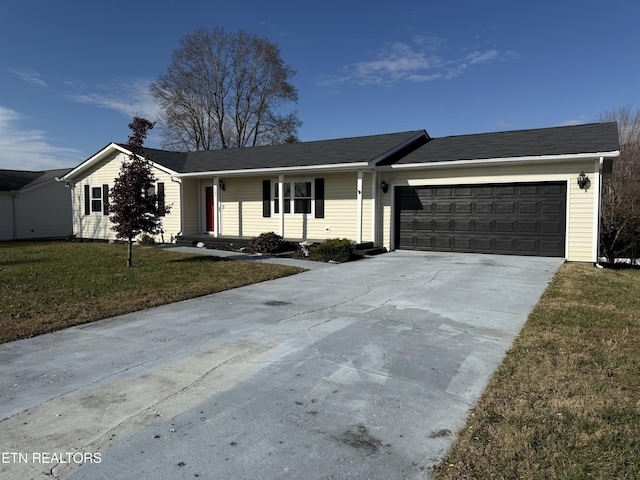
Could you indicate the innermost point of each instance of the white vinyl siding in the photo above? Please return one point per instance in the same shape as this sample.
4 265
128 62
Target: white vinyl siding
97 225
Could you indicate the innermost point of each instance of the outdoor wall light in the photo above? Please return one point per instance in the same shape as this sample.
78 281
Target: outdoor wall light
384 186
582 180
222 186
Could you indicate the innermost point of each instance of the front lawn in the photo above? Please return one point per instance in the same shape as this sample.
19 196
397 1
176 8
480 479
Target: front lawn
47 286
565 403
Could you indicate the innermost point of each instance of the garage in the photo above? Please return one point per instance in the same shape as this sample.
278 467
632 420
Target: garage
509 219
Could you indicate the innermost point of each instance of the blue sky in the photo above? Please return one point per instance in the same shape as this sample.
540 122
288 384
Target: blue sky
74 73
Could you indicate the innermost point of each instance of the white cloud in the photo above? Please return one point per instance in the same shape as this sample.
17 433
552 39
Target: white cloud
579 120
24 149
420 61
31 77
131 98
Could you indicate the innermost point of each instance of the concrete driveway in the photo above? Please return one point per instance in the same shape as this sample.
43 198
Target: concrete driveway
363 370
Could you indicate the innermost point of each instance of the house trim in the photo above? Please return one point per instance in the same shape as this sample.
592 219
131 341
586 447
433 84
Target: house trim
501 161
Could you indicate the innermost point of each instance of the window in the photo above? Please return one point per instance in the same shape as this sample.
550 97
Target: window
96 199
301 197
299 203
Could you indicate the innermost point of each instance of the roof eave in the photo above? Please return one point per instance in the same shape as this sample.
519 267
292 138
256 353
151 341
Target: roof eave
341 167
502 161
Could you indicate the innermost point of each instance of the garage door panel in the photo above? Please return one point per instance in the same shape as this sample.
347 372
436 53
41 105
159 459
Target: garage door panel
528 246
551 228
462 226
443 242
444 207
529 190
528 226
527 208
442 226
519 218
505 244
549 247
462 243
483 207
505 207
481 244
482 226
463 207
554 189
505 226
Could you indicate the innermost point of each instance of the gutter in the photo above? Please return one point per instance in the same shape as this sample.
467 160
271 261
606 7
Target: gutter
278 170
502 161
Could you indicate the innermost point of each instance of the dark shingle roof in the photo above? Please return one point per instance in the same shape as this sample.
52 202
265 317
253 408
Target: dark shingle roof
16 179
589 138
12 180
301 154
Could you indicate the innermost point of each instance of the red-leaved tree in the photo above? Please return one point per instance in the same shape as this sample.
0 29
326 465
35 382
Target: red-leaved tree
134 207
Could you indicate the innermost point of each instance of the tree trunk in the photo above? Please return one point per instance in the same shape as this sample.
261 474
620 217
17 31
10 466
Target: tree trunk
129 244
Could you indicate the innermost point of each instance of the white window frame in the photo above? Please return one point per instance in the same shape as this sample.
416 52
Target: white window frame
292 199
95 199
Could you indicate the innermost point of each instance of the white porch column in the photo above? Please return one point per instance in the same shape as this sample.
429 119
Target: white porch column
374 213
359 202
281 203
216 207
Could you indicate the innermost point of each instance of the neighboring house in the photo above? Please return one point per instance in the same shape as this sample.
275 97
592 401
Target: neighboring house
512 192
34 205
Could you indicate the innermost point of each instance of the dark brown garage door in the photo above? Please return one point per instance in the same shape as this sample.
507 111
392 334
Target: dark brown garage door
514 219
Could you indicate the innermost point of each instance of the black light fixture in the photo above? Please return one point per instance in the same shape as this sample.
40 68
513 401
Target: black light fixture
582 180
222 185
384 186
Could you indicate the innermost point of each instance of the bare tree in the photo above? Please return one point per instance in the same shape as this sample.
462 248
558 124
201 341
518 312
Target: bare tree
225 90
620 216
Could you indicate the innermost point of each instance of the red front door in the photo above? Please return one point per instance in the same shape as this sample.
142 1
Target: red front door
210 209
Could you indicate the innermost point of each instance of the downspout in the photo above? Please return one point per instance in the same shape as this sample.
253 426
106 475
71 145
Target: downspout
599 169
359 207
179 182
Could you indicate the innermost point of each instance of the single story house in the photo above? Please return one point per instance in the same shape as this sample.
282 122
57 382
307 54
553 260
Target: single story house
34 205
526 192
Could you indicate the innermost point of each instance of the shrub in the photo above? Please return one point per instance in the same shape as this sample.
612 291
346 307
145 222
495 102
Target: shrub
146 240
267 243
335 249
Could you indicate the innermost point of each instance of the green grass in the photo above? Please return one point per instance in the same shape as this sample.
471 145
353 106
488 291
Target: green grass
565 403
46 286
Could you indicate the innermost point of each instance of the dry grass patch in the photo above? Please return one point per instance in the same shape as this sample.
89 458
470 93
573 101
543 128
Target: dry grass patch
46 286
565 403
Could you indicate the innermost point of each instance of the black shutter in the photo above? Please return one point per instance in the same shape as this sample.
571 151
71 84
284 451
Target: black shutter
87 200
105 199
160 195
266 198
319 210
